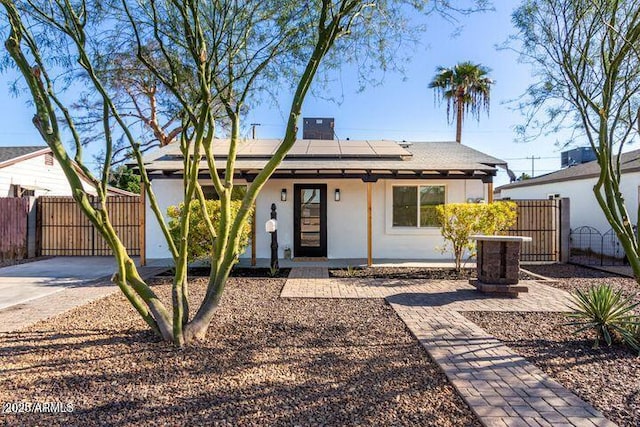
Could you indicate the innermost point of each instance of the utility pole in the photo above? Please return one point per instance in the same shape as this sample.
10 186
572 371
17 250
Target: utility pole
533 159
253 130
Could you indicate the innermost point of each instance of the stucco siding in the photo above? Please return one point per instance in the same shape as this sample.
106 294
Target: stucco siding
585 210
346 219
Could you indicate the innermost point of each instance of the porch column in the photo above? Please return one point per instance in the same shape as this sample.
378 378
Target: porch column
490 190
142 225
253 236
369 226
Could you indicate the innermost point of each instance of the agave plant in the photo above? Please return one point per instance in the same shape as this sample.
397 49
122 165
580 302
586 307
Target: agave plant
273 271
351 271
606 311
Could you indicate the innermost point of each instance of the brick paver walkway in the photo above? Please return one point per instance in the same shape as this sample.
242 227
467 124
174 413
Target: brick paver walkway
502 388
20 316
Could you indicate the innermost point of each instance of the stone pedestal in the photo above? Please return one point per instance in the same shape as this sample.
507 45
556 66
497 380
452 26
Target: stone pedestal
498 264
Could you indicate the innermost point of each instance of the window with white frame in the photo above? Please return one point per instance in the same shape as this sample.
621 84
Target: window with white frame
415 205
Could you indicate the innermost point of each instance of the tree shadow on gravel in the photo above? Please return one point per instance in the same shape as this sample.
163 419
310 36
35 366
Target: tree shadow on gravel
266 361
333 380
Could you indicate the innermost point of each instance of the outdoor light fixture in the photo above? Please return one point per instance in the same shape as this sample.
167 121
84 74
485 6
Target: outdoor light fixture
337 195
283 195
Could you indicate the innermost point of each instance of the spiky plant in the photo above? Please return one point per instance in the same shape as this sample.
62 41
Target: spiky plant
605 311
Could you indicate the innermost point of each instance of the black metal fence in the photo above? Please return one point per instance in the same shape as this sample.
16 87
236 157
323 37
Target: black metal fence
588 246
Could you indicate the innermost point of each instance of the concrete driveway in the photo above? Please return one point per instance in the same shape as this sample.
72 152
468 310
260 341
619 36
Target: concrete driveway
25 282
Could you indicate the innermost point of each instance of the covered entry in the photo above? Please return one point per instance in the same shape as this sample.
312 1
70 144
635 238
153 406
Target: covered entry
310 220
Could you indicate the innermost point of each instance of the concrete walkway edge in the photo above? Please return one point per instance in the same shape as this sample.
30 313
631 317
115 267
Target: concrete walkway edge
31 311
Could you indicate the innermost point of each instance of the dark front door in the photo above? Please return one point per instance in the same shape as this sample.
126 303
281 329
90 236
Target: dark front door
310 220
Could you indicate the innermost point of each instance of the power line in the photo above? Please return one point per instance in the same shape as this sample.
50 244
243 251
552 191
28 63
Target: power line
533 163
528 158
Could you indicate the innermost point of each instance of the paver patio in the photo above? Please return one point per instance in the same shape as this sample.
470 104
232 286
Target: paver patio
502 388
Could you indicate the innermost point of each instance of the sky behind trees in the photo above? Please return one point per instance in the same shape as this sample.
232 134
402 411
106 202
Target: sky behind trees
401 108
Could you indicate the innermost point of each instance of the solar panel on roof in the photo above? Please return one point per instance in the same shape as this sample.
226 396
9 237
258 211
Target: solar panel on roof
266 148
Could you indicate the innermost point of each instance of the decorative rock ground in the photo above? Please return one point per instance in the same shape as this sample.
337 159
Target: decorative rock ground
502 388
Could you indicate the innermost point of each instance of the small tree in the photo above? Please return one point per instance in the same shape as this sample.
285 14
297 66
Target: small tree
124 178
587 63
226 52
459 221
200 246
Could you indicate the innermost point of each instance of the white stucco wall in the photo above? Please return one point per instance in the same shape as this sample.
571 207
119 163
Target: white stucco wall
346 219
409 242
33 172
584 207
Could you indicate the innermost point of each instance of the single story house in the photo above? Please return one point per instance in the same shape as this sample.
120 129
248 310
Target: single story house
576 183
365 200
33 171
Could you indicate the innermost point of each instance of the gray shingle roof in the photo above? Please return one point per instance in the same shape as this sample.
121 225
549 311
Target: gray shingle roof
629 162
9 153
416 156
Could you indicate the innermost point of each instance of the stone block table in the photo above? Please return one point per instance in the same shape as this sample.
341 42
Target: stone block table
498 264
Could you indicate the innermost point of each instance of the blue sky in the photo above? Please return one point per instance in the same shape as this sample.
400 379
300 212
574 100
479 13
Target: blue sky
402 108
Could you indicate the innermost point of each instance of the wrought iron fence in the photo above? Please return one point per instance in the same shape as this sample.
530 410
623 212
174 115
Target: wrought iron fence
588 246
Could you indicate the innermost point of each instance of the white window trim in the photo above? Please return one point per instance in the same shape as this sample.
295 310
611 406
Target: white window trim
417 230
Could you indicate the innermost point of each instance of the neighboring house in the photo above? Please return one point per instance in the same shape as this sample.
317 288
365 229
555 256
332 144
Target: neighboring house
366 200
33 171
576 183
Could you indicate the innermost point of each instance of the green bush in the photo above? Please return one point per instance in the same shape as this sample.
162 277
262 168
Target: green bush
459 221
607 312
200 245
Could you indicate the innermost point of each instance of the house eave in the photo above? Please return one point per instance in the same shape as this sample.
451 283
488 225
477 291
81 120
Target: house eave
24 157
366 175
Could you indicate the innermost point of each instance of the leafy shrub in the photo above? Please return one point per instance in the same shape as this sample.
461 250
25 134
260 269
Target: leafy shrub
200 244
607 312
459 221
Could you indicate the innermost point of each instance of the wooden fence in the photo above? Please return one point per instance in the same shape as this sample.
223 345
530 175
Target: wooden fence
542 221
65 231
14 212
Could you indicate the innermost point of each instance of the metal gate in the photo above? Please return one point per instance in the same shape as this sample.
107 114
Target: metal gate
64 230
540 220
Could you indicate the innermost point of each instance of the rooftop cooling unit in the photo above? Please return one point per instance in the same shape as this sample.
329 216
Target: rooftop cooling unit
577 156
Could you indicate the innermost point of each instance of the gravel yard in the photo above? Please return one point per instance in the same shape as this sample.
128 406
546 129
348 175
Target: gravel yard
608 378
570 277
268 361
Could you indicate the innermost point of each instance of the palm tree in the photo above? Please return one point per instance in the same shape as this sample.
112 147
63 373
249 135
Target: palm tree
466 87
